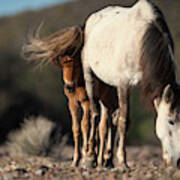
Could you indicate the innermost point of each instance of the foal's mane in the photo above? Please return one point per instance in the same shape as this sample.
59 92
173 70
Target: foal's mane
157 58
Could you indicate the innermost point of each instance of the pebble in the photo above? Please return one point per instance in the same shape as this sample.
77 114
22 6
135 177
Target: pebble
21 171
42 171
177 174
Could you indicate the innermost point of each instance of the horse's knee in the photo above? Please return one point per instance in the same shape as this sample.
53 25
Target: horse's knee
121 124
76 131
85 119
102 129
85 124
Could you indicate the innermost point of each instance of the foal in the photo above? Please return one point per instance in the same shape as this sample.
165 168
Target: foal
74 89
61 49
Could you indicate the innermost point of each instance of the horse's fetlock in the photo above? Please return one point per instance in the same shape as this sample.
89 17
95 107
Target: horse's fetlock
107 154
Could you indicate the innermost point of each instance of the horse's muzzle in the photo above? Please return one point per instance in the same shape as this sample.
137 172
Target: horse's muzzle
70 87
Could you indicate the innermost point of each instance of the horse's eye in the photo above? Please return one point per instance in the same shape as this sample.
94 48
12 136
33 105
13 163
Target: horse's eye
171 122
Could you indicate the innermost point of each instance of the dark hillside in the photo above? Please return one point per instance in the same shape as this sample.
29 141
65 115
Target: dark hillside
19 82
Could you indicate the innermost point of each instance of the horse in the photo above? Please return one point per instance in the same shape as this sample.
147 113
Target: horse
63 49
129 46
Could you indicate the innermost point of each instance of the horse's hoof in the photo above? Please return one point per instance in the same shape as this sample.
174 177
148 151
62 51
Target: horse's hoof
101 168
108 163
87 162
74 164
123 168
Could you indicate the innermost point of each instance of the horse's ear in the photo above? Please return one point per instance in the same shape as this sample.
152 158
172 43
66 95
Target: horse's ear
156 103
168 94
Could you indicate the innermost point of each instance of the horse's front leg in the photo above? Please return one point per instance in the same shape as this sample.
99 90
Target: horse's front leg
74 108
123 97
102 133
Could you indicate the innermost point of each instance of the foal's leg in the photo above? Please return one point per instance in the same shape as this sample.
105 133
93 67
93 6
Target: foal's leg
123 96
85 126
102 133
74 107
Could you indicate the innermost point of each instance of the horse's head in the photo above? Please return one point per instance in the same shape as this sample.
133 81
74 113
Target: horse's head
67 64
168 125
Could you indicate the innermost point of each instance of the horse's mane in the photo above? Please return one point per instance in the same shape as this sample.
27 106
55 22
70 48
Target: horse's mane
67 41
157 58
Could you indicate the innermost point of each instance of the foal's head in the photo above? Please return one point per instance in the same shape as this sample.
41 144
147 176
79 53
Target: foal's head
168 124
68 65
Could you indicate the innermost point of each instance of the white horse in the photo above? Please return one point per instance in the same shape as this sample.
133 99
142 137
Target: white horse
125 47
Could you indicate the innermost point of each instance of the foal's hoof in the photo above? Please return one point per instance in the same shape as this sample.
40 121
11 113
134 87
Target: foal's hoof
87 162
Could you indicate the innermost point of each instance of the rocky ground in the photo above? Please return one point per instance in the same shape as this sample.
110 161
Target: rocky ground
145 163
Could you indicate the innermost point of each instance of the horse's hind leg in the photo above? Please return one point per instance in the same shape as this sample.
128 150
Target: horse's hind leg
102 133
94 112
108 154
74 108
123 96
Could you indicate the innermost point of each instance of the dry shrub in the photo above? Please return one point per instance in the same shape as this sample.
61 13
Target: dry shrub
34 138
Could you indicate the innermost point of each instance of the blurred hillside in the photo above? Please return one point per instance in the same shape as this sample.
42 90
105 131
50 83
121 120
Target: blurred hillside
25 91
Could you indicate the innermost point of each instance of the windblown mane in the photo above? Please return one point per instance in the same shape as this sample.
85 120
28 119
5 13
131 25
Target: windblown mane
157 58
67 41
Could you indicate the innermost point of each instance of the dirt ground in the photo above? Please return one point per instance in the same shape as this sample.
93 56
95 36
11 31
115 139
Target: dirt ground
145 163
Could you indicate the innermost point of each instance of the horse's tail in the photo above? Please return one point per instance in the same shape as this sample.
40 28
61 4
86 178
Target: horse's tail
50 49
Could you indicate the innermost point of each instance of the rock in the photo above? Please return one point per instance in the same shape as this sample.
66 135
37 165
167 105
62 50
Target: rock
21 171
177 174
8 176
42 170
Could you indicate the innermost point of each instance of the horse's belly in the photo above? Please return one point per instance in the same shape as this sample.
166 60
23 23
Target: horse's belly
113 53
116 74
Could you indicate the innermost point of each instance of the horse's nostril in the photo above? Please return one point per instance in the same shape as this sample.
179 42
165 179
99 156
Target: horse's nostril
178 163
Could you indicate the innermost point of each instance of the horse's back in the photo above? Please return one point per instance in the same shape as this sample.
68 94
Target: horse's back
113 42
141 9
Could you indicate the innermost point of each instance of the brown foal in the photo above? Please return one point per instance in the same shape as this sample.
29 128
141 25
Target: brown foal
74 89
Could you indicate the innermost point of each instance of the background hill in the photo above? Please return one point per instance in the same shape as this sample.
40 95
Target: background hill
25 91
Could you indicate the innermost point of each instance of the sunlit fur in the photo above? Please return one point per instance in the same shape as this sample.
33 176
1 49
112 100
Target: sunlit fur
125 47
